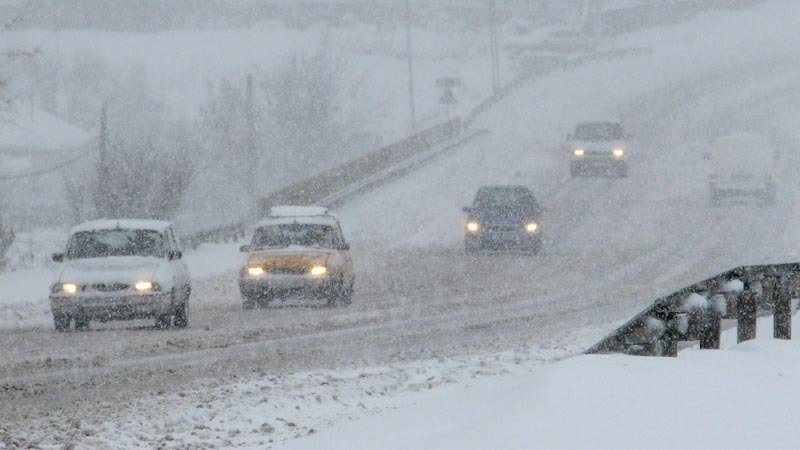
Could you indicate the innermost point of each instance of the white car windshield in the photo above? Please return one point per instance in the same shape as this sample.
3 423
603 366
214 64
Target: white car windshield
285 235
116 242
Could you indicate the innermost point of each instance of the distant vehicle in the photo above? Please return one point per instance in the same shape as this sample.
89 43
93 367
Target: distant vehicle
297 250
598 148
503 217
742 165
121 270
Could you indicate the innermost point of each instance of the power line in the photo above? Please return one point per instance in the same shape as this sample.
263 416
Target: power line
44 171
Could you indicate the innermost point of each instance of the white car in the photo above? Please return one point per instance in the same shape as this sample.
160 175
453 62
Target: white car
741 165
121 270
598 148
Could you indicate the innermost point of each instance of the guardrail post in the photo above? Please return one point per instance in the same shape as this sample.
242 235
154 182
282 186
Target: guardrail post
746 315
712 329
782 302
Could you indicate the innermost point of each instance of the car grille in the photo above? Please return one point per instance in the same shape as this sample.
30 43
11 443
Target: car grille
502 228
288 270
108 287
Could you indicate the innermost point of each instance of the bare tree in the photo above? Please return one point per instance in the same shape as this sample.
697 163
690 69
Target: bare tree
145 161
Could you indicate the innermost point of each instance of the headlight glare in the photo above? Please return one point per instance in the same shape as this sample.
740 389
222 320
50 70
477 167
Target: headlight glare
255 271
579 152
318 270
69 288
473 226
619 152
143 285
532 227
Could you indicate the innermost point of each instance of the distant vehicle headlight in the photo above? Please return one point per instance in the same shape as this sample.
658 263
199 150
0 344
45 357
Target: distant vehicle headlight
255 271
579 152
473 227
532 227
619 152
318 270
69 288
144 286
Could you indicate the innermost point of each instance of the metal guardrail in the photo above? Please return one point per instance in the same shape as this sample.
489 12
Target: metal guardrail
695 313
225 233
311 190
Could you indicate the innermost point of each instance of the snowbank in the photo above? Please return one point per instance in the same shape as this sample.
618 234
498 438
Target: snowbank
741 398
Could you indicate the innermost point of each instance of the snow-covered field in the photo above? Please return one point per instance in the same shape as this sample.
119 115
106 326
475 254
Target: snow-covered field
743 397
425 318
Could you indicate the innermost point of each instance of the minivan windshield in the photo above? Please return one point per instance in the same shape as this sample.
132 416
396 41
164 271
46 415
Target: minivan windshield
285 235
598 131
116 242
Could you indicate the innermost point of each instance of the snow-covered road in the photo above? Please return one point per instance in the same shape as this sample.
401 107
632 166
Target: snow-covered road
612 246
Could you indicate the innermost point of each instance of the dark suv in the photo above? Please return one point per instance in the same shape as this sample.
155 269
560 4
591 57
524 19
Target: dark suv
503 217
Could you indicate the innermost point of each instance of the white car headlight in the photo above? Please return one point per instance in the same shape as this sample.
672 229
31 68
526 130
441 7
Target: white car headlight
144 285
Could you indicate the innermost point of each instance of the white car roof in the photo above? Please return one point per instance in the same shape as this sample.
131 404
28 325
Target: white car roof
297 211
314 220
280 215
128 224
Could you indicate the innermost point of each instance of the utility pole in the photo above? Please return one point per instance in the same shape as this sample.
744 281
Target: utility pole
494 47
103 197
410 55
249 113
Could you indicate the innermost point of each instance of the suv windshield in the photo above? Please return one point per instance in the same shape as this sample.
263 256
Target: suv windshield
517 198
598 131
284 235
117 242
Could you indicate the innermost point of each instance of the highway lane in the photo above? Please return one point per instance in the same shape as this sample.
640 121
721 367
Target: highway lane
612 246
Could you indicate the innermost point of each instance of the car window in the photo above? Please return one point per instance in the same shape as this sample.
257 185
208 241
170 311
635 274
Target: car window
598 131
505 197
285 235
116 242
174 244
